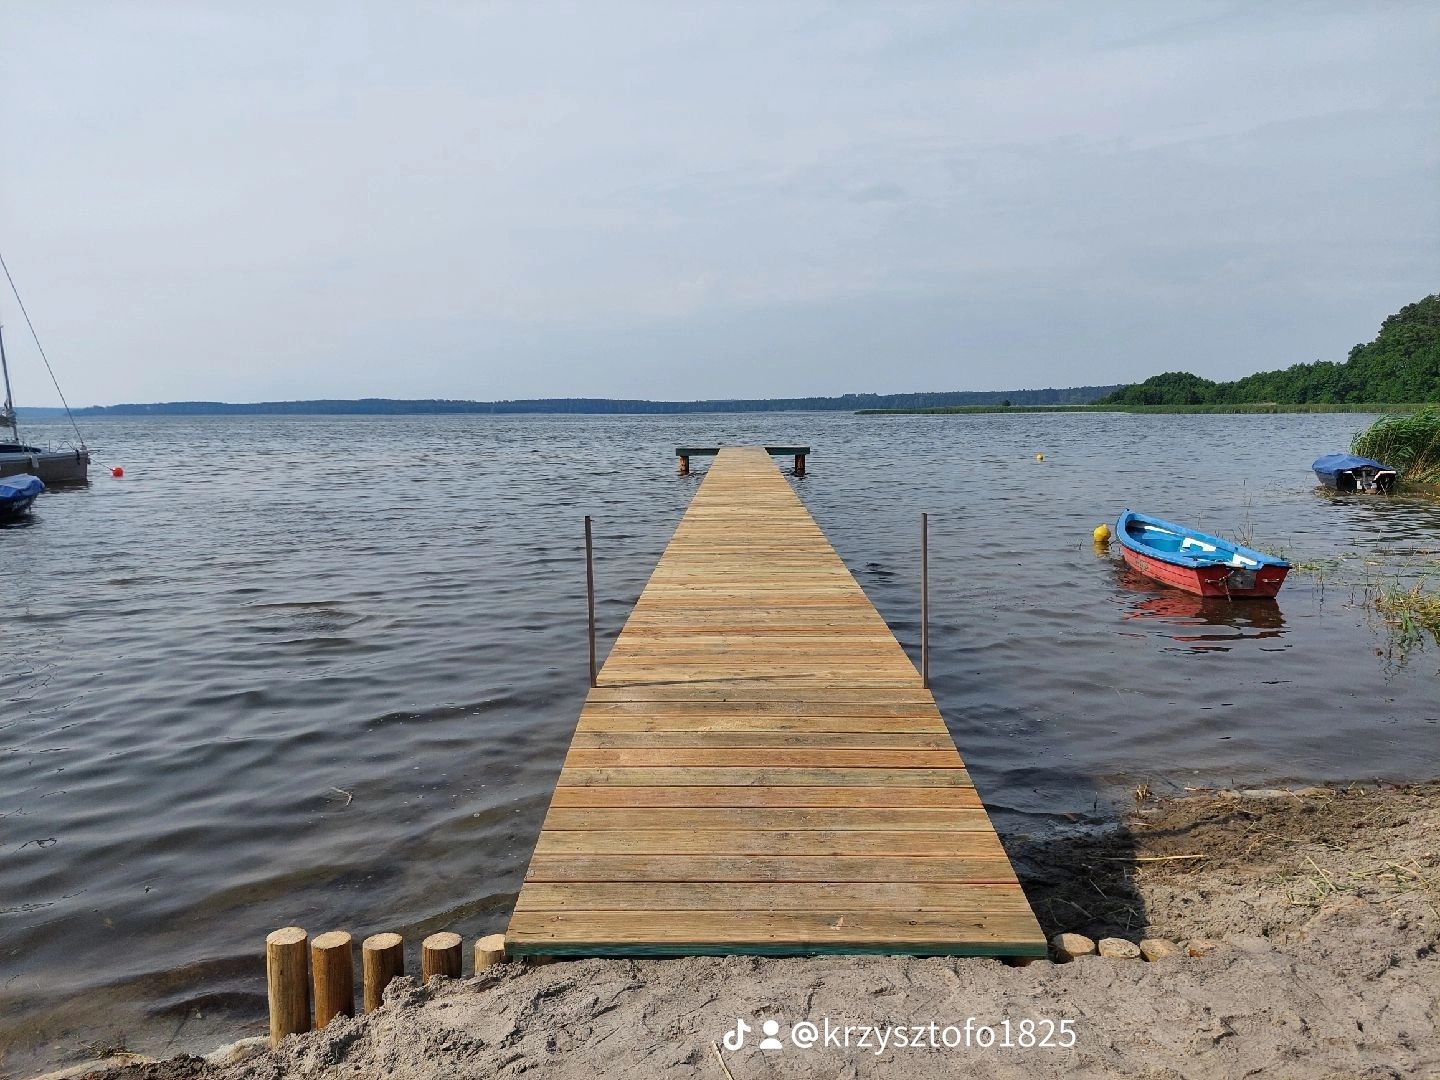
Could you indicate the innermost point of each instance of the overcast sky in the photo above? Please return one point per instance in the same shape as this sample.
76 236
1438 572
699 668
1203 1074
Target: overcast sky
677 200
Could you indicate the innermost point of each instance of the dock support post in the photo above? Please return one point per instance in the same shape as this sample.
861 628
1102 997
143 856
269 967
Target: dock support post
590 594
684 466
383 959
925 600
287 979
332 971
489 951
799 464
440 955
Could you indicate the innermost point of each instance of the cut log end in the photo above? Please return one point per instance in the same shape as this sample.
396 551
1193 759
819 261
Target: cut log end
440 955
489 951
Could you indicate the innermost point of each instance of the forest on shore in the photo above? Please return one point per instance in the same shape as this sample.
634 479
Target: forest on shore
1402 364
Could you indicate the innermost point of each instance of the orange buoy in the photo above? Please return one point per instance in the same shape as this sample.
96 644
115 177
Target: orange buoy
117 472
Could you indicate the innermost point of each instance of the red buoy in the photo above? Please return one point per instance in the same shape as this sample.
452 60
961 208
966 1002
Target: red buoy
117 472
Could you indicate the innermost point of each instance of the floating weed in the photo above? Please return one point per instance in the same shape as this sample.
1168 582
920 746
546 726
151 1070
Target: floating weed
1411 614
1315 885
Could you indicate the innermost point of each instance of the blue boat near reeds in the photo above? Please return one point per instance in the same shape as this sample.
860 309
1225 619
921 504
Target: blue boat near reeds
1348 472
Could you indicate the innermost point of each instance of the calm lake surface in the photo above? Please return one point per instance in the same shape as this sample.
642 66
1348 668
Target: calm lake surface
323 670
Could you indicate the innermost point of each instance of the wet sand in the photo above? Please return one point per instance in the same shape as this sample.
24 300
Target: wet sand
1323 907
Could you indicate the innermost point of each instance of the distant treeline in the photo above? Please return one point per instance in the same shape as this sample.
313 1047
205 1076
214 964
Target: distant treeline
1401 364
1381 407
370 406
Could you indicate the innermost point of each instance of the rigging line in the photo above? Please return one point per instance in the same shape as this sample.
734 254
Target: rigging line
31 325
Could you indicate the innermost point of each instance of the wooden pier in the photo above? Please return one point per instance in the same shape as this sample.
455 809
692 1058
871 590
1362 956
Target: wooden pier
760 769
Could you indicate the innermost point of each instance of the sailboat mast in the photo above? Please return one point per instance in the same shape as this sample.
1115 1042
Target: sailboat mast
7 414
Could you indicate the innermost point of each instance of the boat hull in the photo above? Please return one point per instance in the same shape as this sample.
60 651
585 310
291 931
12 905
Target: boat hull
1222 581
51 466
1346 480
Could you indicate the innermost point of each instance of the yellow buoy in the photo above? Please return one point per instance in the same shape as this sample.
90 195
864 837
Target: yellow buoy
1101 534
1039 457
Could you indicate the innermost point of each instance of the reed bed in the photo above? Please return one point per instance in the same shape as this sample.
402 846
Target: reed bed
1409 443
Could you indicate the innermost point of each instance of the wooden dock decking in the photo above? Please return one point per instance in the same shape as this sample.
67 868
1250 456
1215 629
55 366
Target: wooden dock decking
760 769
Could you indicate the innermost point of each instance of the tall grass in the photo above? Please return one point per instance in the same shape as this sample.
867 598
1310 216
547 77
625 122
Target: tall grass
1408 443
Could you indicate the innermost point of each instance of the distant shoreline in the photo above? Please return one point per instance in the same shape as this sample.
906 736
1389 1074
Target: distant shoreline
401 408
1268 407
849 403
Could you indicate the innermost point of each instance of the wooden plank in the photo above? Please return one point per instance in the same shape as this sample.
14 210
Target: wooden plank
736 725
752 739
719 842
964 869
770 896
758 819
737 711
758 796
774 933
807 758
737 690
738 777
760 769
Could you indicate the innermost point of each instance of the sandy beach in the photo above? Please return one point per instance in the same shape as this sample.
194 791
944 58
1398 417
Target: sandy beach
1315 914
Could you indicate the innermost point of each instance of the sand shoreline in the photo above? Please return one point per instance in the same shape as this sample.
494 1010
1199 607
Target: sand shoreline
1325 904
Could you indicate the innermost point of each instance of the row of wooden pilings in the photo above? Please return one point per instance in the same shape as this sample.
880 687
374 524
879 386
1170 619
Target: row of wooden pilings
299 972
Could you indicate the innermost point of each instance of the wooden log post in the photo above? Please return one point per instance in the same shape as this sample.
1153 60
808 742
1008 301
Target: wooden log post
799 464
440 955
287 979
684 465
489 951
332 973
382 959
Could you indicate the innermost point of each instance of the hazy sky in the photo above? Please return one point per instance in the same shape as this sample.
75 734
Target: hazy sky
250 201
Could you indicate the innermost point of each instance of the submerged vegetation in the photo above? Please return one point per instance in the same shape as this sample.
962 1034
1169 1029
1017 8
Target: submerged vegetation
1408 443
1401 364
1411 614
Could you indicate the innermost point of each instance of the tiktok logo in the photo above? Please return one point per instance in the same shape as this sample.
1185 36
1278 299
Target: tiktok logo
735 1039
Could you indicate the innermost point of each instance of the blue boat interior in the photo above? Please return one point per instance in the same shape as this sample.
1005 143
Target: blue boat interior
1187 547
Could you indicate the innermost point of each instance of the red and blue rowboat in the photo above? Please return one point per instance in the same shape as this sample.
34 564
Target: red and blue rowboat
1196 562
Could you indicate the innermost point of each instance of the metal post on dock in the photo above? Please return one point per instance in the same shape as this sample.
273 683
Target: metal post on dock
925 600
590 593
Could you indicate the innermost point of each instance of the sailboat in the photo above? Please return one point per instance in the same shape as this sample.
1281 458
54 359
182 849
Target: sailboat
68 466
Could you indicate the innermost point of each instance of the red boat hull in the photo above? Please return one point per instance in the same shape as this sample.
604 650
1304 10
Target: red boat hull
1207 580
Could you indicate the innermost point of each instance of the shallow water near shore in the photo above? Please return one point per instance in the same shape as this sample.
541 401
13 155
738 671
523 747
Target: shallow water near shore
323 670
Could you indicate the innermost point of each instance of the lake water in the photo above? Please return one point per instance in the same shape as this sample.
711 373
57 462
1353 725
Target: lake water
323 671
